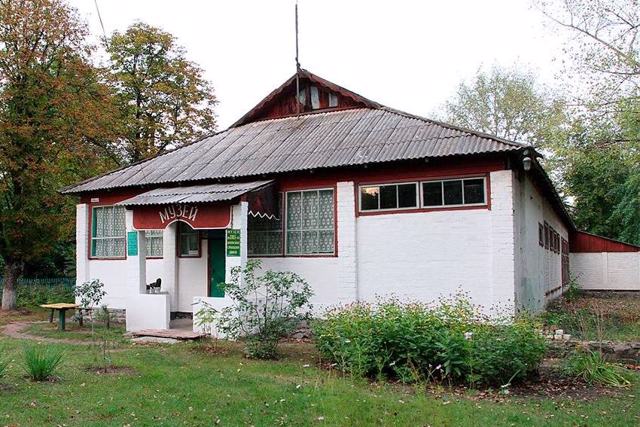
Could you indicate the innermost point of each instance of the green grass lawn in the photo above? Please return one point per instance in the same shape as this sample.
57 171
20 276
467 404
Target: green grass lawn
180 385
75 332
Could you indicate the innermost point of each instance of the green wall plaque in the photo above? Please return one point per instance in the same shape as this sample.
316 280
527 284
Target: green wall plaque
132 243
233 242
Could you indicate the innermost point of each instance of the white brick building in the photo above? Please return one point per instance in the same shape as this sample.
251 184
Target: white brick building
361 200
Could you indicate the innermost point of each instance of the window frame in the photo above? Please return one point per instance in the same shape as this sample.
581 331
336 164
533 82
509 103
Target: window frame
146 238
367 211
179 240
541 235
463 205
330 96
313 89
285 224
92 218
547 232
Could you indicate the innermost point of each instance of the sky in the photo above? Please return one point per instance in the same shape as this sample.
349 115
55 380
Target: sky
409 55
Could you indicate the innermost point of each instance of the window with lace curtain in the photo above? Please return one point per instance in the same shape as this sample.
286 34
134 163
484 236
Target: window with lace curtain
108 232
265 233
264 236
154 243
310 222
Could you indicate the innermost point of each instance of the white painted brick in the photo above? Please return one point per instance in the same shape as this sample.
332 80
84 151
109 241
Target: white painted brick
607 271
136 265
82 244
347 241
538 270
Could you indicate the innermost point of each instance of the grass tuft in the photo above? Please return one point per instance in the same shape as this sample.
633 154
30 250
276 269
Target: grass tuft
593 368
40 363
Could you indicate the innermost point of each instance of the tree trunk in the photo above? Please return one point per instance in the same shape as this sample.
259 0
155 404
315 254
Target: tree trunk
11 270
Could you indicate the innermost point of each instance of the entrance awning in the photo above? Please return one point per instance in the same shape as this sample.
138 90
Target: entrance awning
200 206
207 193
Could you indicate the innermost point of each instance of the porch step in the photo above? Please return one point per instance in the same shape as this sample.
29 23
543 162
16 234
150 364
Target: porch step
176 334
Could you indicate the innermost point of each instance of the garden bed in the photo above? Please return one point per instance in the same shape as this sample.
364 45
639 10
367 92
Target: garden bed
597 316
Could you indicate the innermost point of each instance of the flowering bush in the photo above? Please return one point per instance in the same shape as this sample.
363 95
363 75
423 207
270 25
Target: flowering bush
450 341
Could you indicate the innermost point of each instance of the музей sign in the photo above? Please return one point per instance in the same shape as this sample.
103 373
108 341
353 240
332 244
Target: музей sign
172 212
201 216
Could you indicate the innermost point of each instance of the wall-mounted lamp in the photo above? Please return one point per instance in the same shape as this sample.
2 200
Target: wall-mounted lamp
526 161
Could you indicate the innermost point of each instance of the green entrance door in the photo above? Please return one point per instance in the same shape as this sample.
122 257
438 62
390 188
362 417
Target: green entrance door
216 263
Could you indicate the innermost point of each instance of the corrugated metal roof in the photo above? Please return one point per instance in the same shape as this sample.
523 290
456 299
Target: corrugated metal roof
310 141
193 194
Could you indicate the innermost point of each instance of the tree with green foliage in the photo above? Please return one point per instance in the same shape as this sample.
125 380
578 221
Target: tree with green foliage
601 174
594 175
164 98
601 161
510 104
54 112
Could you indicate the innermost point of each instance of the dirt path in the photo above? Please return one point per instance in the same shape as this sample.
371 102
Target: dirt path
17 330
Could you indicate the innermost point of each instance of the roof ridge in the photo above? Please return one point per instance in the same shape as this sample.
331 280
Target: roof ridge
456 127
305 114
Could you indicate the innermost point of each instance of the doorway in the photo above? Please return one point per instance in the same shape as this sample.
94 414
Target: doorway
216 263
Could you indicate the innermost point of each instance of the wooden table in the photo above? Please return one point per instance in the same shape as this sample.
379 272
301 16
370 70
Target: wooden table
62 309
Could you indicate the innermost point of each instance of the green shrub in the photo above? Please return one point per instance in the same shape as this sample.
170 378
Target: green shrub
413 342
264 309
593 368
41 363
35 295
33 292
504 353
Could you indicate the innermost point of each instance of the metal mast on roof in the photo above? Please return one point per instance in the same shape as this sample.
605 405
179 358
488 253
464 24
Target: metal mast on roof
104 33
297 66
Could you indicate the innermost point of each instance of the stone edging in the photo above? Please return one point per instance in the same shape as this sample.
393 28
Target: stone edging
612 351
